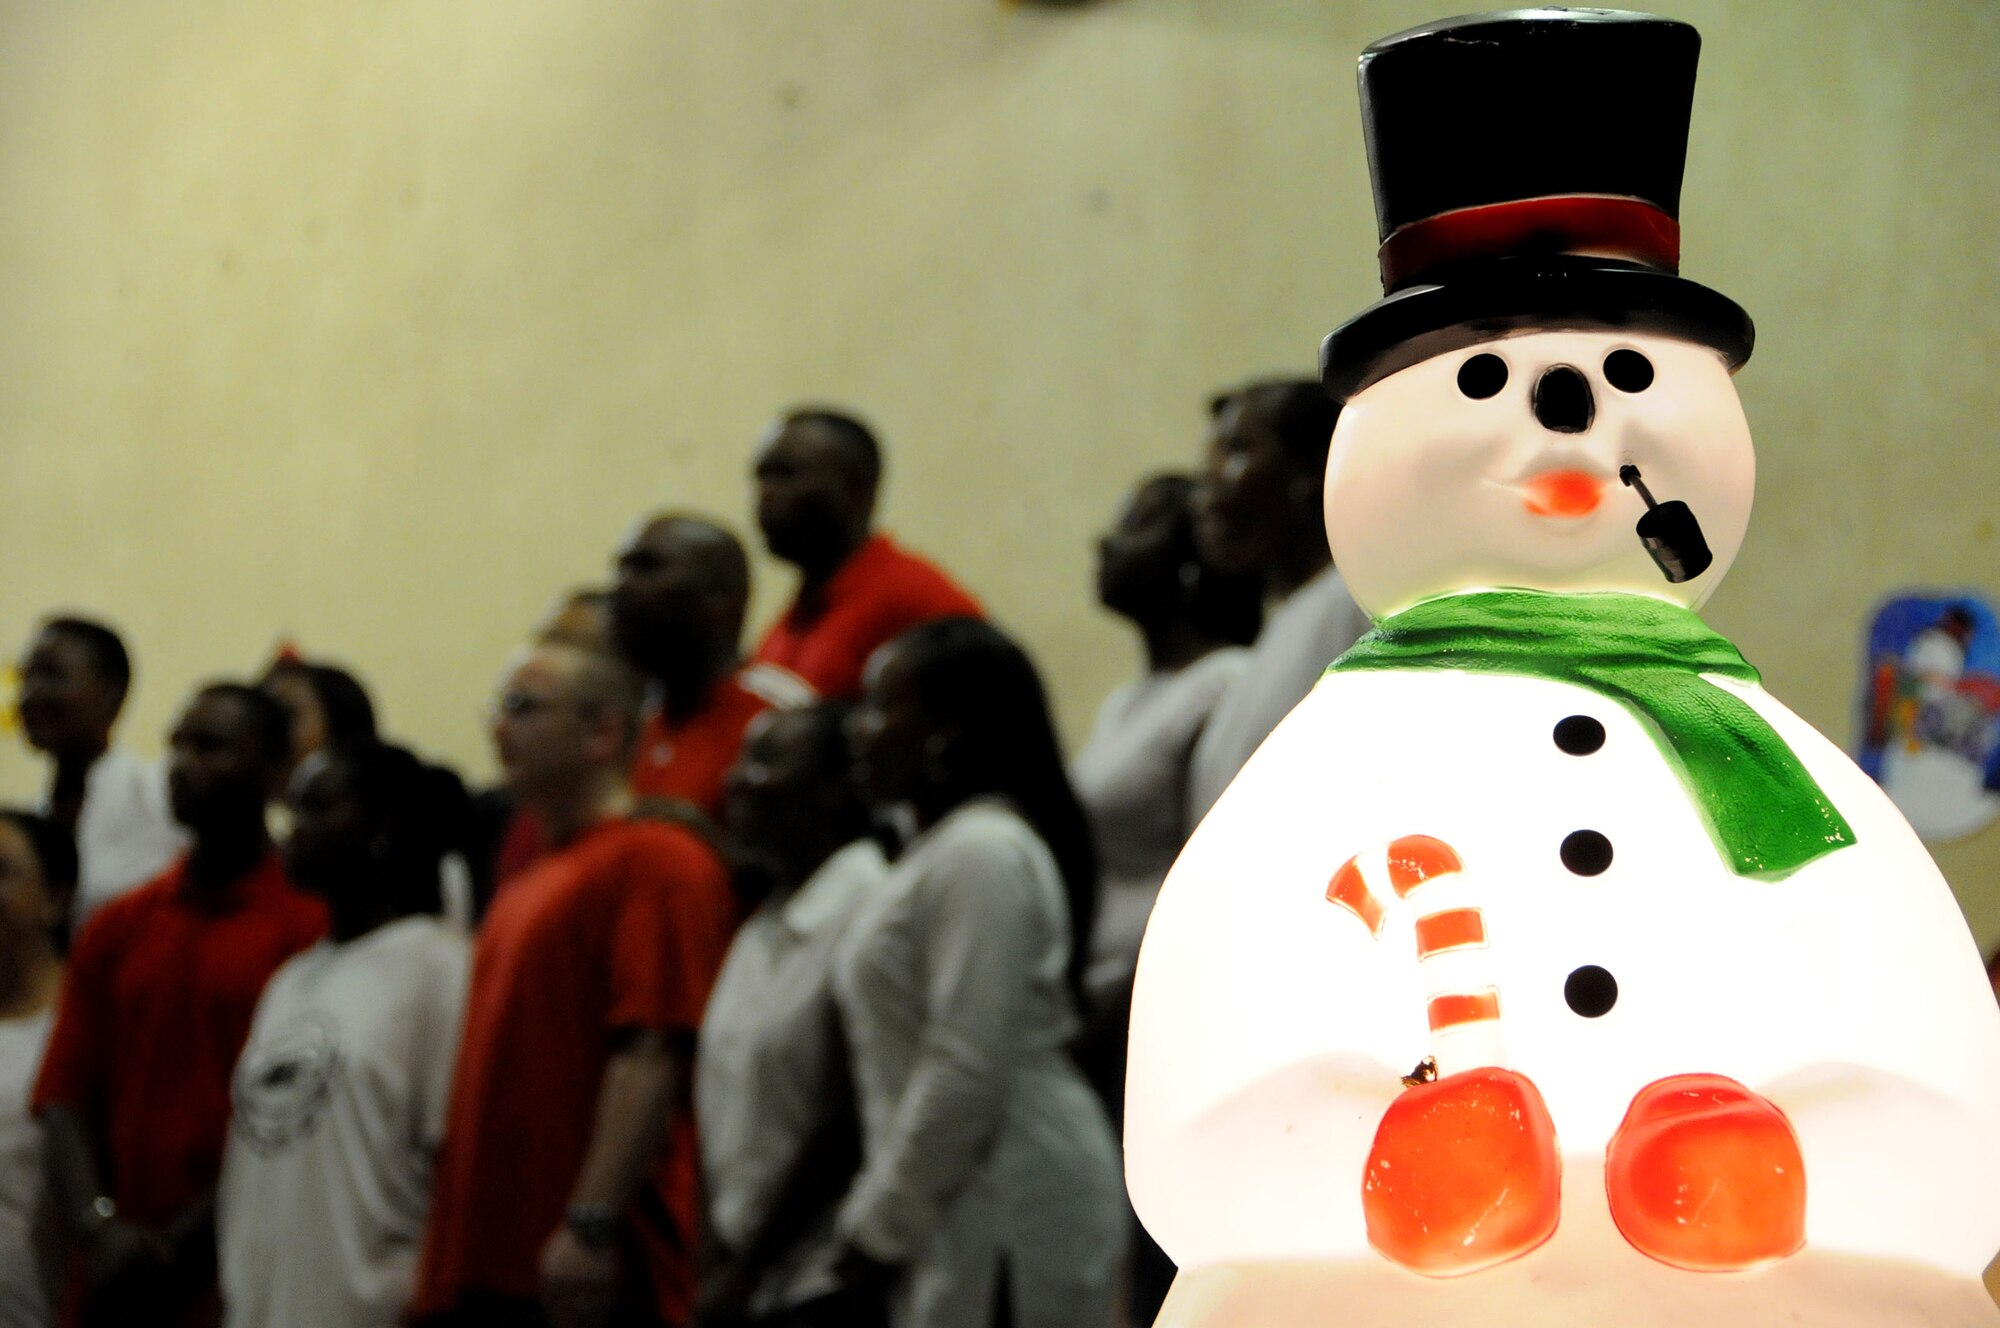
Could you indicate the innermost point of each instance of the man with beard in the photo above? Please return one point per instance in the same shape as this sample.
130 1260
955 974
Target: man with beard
677 616
817 477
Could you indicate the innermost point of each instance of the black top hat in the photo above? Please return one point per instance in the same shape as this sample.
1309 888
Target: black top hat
1527 169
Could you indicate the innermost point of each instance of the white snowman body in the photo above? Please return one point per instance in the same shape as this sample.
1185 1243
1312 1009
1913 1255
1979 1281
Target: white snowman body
1271 1026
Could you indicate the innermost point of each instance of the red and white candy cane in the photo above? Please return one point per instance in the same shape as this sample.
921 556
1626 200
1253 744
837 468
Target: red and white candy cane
1464 1171
1463 1010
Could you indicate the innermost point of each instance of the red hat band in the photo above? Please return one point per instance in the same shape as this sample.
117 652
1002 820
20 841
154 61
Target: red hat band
1593 224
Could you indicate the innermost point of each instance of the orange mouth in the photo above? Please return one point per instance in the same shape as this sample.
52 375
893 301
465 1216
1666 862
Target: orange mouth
1563 493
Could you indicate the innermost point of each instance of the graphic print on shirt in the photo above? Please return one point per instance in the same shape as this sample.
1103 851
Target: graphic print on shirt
284 1081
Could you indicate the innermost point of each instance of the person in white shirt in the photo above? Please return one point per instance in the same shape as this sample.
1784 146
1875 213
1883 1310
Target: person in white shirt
1193 620
990 1176
75 675
1131 774
1258 509
774 1105
339 1097
37 873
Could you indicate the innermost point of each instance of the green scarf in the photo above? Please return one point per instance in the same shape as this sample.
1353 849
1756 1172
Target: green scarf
1764 812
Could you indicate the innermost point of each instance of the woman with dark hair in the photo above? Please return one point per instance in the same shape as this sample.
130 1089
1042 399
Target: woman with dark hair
37 876
329 707
339 1096
990 1175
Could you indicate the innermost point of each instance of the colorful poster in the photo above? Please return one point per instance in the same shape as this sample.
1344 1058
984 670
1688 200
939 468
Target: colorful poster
1931 711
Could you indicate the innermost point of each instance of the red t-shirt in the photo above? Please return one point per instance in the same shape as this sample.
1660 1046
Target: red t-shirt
689 761
621 929
520 848
878 593
155 1009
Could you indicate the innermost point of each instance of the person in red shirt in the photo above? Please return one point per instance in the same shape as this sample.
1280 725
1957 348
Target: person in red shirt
677 615
565 1186
817 476
162 982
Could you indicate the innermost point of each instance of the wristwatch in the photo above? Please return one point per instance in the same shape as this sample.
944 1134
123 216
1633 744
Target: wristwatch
97 1213
596 1225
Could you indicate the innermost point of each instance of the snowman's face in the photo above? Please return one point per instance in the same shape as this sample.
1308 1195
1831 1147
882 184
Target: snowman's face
1496 466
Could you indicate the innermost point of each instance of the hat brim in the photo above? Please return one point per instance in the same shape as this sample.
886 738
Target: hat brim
1481 301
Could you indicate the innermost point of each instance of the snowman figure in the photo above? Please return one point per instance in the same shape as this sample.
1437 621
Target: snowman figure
1542 967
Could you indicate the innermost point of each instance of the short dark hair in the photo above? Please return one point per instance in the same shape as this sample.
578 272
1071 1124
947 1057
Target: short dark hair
103 644
856 438
422 813
270 725
1299 412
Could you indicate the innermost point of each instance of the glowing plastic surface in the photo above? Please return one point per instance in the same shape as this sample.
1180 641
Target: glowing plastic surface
1594 941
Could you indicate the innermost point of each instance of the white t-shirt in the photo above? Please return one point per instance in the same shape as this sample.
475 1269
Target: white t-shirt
125 834
22 1304
340 1101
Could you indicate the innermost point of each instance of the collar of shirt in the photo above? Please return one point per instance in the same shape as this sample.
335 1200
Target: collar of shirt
829 893
858 567
267 875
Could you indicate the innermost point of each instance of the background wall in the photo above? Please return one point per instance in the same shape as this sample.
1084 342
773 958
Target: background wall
373 324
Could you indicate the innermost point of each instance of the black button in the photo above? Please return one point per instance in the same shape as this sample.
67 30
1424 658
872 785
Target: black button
1586 852
1579 735
1591 991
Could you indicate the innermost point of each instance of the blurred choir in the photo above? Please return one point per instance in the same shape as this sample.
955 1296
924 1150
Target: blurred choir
780 990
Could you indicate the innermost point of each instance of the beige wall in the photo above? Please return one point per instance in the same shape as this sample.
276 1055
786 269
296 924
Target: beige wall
373 323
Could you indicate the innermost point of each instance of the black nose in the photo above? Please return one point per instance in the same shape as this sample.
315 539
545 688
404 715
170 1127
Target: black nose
1562 400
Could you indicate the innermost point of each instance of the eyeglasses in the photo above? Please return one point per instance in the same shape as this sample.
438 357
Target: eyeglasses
516 704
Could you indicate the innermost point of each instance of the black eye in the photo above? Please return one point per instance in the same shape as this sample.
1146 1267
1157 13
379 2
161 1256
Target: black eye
1628 371
1483 375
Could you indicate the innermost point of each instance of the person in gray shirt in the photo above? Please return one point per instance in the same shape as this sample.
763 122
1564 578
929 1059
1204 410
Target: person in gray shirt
1257 508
